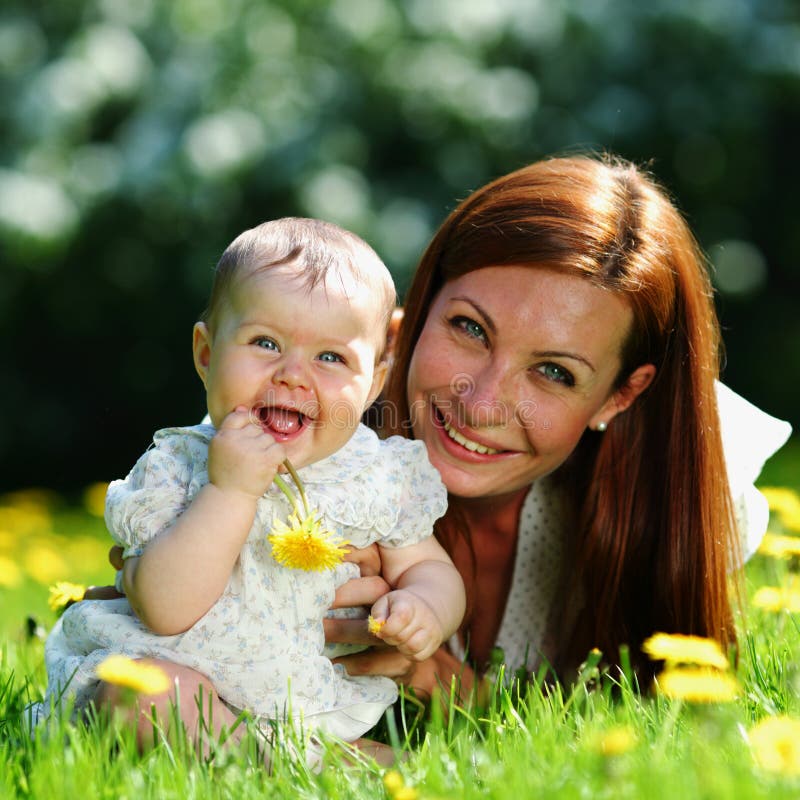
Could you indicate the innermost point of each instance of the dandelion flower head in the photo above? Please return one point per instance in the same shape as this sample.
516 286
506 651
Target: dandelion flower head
396 787
680 649
785 503
698 685
305 544
615 741
125 672
777 598
780 546
64 592
374 625
776 744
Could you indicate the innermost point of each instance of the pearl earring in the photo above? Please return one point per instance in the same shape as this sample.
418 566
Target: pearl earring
601 426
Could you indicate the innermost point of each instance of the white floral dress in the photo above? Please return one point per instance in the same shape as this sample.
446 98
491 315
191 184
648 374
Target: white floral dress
261 644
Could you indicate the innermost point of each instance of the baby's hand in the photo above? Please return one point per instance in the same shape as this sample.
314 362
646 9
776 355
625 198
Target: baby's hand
407 622
242 457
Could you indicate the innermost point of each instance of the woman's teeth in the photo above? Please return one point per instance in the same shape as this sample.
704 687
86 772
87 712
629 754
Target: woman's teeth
468 443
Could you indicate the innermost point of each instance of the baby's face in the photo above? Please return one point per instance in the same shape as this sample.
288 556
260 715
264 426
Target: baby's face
304 361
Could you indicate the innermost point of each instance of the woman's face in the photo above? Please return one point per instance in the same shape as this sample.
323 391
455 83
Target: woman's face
513 364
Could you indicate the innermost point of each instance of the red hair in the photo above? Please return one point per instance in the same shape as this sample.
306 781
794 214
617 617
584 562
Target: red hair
653 534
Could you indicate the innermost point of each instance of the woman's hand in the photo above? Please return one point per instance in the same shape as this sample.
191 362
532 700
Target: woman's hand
358 592
424 677
107 592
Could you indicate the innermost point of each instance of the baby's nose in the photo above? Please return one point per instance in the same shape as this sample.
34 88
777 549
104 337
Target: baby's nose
293 372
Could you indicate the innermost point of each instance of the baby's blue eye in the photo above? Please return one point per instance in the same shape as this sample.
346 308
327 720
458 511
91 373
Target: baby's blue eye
557 374
266 343
330 358
473 329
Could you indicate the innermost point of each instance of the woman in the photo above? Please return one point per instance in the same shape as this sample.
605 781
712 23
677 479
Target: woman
558 357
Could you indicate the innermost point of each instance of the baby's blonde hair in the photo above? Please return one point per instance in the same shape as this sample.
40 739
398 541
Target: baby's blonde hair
317 248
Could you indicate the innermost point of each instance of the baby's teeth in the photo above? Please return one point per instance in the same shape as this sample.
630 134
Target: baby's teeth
468 443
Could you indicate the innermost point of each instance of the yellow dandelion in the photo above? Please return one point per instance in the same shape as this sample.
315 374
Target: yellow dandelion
94 499
396 787
785 503
130 674
777 598
305 544
25 518
615 741
776 744
374 625
698 685
10 573
677 648
780 546
64 592
44 563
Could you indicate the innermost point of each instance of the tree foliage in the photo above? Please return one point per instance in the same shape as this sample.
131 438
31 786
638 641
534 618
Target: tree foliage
139 138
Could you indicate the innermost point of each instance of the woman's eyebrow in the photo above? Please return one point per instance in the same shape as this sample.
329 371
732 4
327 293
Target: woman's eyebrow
485 314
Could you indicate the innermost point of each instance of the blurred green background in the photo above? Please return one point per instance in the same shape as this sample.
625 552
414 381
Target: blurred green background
137 138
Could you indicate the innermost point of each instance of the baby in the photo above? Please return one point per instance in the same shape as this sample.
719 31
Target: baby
291 353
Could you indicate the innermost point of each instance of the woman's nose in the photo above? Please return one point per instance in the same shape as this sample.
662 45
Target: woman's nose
486 397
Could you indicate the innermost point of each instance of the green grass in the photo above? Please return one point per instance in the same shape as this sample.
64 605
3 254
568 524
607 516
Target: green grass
531 741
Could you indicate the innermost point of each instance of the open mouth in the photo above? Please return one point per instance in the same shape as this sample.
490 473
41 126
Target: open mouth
459 438
281 423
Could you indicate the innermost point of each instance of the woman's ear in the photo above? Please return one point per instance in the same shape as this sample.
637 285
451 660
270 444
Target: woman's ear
201 349
625 396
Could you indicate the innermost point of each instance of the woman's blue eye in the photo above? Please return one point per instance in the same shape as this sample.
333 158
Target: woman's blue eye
330 358
557 374
470 327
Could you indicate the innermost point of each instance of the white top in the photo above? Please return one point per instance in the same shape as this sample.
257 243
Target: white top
749 438
261 643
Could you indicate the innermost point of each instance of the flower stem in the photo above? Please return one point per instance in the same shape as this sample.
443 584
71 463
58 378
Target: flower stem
281 483
298 483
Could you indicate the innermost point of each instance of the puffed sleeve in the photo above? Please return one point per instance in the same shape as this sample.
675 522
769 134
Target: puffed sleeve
420 495
394 500
749 437
157 490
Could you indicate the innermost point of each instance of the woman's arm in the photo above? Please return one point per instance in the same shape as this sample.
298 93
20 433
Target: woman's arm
426 678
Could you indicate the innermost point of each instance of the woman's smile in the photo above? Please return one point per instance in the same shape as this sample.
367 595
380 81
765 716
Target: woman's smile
471 442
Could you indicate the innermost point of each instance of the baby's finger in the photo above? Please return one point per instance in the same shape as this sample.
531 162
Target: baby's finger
421 645
238 418
380 610
399 615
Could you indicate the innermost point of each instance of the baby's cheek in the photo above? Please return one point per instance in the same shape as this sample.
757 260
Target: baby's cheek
344 416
